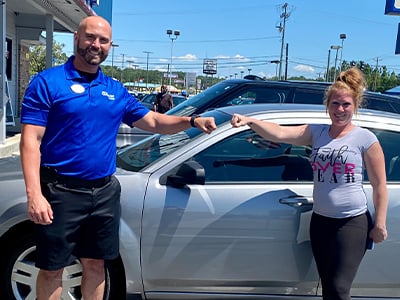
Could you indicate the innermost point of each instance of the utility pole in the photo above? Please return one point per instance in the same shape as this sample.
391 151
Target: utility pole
376 74
284 16
327 77
286 60
122 66
147 67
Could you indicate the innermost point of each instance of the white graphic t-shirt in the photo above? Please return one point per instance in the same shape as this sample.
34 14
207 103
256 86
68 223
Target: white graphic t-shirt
338 168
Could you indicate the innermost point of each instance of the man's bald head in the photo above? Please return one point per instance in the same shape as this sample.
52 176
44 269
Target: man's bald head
92 42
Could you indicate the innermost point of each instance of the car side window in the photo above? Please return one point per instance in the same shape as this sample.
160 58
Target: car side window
389 141
257 95
247 157
308 96
381 104
149 99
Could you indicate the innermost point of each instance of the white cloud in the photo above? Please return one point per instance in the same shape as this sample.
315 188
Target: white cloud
235 57
188 57
160 68
241 58
266 75
222 57
304 69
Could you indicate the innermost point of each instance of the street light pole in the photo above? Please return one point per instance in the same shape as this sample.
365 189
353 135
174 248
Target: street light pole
173 38
147 66
112 58
336 47
342 36
276 67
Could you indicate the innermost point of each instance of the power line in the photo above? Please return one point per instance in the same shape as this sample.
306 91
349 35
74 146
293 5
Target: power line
200 41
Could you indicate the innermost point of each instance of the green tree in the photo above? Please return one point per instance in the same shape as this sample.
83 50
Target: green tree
37 57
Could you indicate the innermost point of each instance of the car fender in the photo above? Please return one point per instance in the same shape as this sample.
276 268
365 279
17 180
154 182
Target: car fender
13 209
13 216
130 254
133 189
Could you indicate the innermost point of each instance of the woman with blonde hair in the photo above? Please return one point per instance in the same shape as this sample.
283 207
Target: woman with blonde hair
341 227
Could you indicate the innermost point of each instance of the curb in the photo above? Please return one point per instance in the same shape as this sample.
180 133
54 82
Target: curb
11 146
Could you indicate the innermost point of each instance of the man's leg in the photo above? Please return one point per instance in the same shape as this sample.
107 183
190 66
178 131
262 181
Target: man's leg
93 279
49 285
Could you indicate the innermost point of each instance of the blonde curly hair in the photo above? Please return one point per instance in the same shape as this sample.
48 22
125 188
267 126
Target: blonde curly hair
351 80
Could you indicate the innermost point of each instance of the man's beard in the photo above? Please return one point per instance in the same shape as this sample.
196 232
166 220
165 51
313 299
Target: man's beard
90 58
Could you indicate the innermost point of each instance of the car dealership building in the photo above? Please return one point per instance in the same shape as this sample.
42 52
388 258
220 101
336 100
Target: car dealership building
28 22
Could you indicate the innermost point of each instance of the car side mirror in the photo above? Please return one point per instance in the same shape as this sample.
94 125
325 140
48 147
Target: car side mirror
190 172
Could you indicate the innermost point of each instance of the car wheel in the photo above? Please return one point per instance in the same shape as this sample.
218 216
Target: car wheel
18 274
115 280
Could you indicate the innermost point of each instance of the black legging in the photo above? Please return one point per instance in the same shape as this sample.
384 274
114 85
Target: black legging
338 246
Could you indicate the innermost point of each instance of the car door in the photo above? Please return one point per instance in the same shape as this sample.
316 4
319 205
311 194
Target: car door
244 231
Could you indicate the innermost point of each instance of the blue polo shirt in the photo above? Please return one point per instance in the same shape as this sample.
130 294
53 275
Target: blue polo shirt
81 117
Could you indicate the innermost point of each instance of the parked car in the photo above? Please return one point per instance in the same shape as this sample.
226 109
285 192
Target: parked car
214 216
254 90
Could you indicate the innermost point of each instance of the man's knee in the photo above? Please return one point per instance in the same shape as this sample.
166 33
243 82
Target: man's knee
92 265
51 275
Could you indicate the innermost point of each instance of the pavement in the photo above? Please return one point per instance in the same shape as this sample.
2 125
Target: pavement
11 145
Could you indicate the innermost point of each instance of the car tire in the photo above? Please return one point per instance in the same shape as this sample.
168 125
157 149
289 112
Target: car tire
115 280
18 272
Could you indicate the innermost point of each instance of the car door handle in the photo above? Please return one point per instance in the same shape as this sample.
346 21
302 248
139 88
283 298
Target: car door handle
297 201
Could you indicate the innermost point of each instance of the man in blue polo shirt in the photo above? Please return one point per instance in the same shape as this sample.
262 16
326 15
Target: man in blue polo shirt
70 118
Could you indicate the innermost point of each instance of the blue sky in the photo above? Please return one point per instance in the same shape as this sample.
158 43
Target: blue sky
243 35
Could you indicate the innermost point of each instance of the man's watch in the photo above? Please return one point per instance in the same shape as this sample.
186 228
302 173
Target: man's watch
192 120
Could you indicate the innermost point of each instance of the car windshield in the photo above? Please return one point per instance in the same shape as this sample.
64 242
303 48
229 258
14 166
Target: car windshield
189 106
148 150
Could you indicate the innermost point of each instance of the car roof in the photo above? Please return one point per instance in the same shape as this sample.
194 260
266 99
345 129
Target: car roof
251 109
303 83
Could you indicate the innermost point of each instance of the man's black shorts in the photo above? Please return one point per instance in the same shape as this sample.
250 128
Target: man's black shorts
85 224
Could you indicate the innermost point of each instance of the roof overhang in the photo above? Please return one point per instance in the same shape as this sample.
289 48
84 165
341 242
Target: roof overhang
67 14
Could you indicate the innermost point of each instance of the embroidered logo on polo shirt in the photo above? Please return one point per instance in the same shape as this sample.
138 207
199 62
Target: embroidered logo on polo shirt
77 88
110 97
